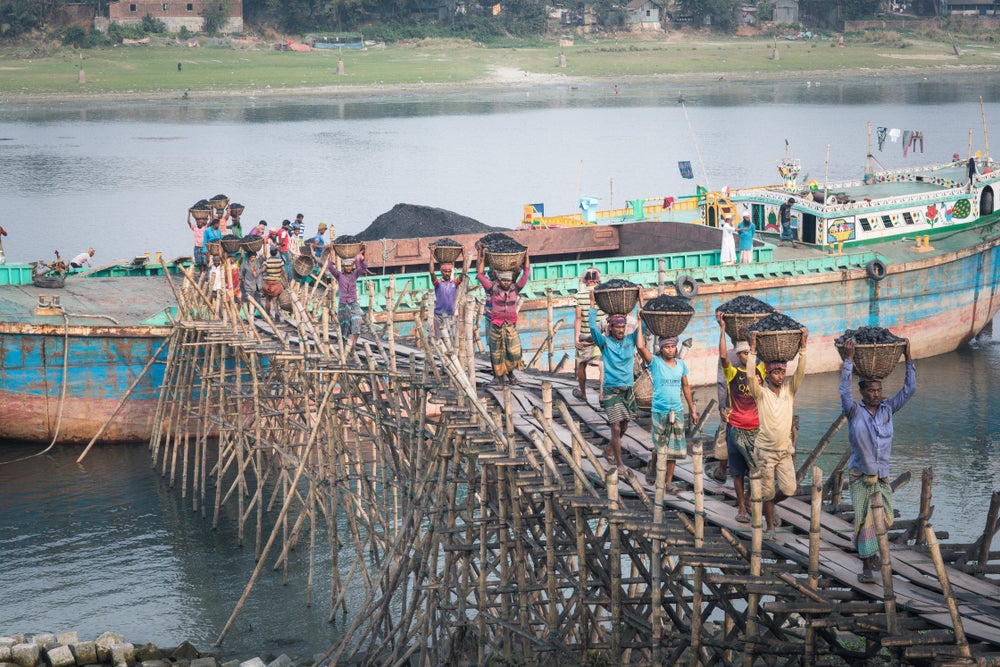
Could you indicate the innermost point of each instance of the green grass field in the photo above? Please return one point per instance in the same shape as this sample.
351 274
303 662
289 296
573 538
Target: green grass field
153 69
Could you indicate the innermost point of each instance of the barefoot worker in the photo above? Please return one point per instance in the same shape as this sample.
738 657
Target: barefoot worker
505 342
869 432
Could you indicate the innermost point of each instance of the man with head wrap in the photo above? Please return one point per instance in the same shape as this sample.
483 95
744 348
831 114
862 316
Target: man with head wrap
445 293
349 310
670 382
774 451
504 341
618 354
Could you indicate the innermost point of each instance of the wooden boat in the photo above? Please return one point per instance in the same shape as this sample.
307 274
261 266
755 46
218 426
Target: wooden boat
68 356
915 250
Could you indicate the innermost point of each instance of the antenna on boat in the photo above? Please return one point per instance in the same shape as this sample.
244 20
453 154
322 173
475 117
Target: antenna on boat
986 138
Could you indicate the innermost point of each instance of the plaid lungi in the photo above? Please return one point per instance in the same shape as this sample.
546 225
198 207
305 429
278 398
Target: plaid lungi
505 349
349 316
619 404
863 487
669 438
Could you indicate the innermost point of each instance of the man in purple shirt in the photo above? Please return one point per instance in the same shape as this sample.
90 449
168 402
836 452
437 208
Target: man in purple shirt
445 292
505 343
349 311
870 435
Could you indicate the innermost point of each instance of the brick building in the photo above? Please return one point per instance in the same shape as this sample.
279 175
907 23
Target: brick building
176 13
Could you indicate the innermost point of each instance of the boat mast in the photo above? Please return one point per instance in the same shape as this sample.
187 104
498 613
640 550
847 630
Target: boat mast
986 138
870 164
694 140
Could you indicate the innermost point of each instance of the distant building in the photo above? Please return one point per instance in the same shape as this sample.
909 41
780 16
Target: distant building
642 15
786 11
186 13
970 7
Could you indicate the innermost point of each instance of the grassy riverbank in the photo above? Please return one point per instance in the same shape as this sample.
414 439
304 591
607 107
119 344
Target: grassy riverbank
152 71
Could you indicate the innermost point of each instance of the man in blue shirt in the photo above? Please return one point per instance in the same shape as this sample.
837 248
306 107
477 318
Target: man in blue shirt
617 397
870 435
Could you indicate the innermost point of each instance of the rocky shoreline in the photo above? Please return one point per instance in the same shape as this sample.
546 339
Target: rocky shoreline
46 649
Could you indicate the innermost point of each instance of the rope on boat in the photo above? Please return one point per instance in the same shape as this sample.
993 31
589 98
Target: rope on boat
62 396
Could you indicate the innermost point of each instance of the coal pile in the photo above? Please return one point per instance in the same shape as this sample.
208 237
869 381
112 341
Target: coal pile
216 197
230 237
614 283
870 336
745 305
668 304
775 322
344 239
201 205
407 221
501 243
447 242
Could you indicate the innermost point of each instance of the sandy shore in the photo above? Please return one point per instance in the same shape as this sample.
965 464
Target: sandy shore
498 80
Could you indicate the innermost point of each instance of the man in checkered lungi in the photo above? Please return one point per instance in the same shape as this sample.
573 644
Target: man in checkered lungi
618 354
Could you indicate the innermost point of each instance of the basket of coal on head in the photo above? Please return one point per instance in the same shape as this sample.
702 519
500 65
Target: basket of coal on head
876 351
741 312
230 243
616 296
446 251
666 316
252 243
219 202
236 210
779 337
346 246
200 211
303 265
502 252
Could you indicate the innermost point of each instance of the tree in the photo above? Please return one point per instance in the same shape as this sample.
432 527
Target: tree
215 16
721 14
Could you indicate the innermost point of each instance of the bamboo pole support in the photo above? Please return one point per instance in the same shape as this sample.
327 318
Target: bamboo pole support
878 511
699 542
949 598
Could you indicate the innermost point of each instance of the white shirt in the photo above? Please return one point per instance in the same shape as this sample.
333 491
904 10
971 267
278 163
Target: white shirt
83 259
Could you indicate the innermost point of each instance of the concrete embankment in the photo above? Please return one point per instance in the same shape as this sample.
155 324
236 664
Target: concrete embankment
111 650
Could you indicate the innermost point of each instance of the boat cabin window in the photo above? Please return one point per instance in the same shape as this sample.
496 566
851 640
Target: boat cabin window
887 222
907 217
865 225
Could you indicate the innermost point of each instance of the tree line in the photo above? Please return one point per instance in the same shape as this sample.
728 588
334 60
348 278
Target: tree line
393 20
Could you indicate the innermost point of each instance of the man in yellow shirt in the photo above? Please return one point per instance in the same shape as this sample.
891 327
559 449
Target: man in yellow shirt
775 452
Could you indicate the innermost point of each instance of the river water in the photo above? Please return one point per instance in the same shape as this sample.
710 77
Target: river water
108 545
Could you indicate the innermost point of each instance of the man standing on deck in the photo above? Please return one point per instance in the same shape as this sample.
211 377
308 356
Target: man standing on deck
774 451
869 432
739 416
617 395
349 310
785 218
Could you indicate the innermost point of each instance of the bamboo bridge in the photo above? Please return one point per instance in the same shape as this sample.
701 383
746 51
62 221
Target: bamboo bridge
484 526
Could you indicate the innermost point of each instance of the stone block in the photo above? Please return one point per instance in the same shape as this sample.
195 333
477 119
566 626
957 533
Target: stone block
9 641
148 652
104 643
67 637
208 661
25 655
186 651
231 663
59 655
123 653
84 652
156 662
281 661
253 662
5 652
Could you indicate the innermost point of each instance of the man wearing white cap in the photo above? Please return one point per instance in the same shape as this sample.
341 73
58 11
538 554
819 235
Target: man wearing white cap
746 230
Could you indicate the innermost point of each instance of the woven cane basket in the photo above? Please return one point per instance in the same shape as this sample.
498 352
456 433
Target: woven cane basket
254 245
665 324
643 389
875 361
213 247
446 254
347 250
199 213
230 245
219 204
617 301
285 300
505 261
236 211
303 265
778 345
736 324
